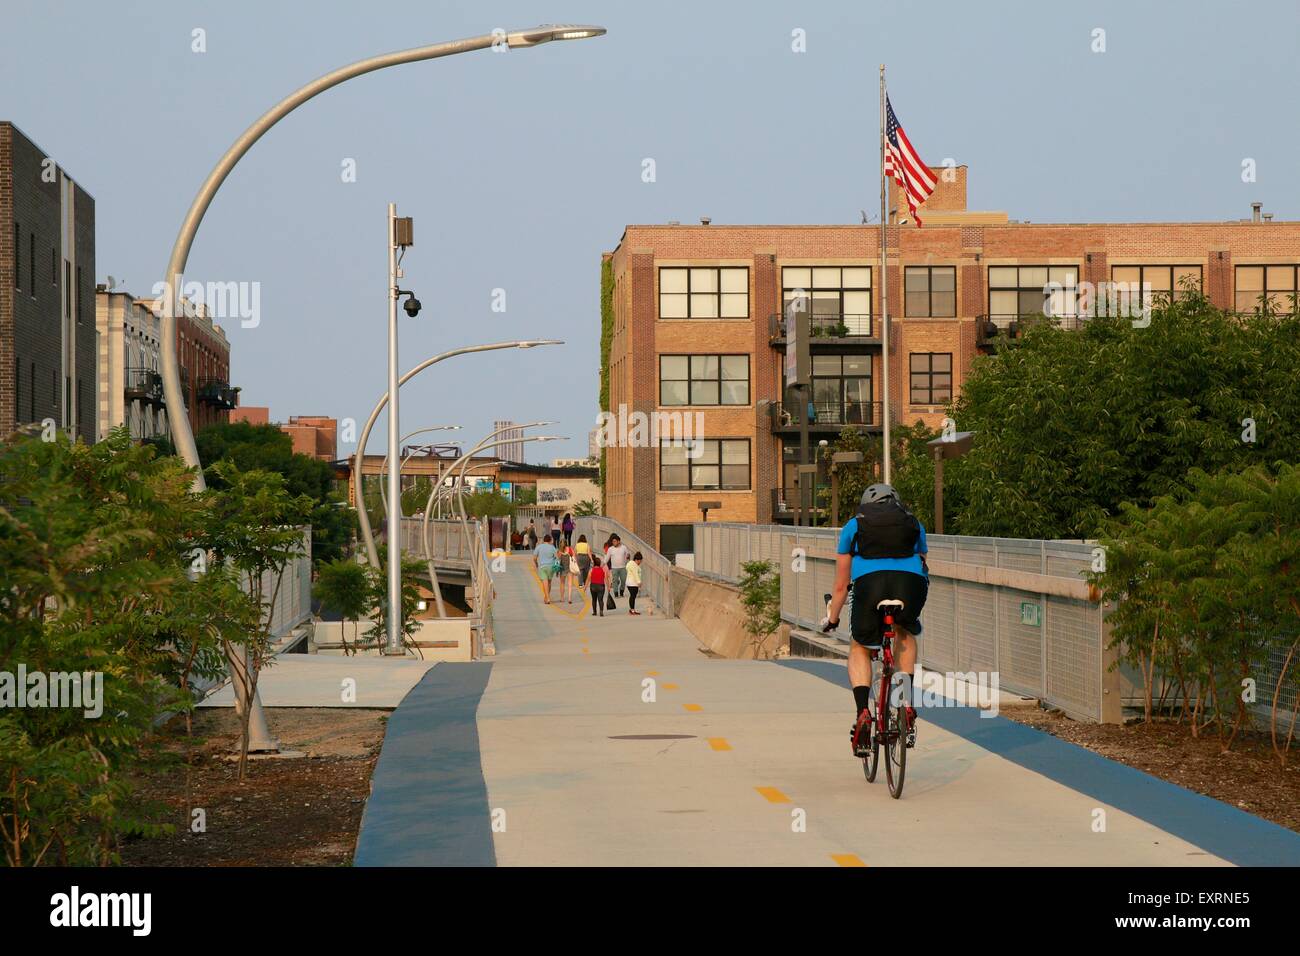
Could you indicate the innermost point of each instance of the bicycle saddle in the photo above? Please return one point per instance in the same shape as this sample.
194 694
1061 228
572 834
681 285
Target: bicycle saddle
890 602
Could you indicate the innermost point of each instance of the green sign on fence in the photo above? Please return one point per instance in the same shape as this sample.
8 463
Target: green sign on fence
1031 614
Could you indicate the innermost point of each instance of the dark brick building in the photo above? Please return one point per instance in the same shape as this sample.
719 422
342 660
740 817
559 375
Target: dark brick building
48 346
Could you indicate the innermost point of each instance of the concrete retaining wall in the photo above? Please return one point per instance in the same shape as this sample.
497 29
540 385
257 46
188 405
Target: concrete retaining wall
712 612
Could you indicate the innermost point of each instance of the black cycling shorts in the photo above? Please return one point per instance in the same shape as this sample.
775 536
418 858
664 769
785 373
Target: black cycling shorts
876 586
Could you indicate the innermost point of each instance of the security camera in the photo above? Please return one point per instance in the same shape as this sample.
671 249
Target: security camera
412 306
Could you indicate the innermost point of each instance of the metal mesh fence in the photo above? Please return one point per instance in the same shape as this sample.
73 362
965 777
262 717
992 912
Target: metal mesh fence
1041 645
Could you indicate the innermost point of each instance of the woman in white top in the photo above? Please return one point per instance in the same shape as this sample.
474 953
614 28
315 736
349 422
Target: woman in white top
633 582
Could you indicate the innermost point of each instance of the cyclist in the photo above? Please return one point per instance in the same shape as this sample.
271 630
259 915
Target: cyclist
882 552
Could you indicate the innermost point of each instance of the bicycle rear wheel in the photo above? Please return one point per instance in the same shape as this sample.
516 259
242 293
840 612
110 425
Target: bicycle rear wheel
871 763
896 750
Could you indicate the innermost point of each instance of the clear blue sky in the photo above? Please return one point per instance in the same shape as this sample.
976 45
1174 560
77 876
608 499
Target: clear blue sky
521 168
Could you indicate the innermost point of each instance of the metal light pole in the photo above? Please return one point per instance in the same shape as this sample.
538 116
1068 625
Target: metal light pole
394 615
363 519
460 462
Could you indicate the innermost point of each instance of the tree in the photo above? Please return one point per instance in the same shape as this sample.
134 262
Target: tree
412 580
488 503
344 586
1070 424
266 448
760 596
95 542
253 530
586 508
1205 585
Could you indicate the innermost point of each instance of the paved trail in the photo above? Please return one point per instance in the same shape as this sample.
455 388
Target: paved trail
549 755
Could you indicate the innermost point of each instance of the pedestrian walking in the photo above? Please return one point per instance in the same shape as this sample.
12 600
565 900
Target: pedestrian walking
617 556
567 527
633 582
597 581
569 572
582 550
547 562
556 532
532 534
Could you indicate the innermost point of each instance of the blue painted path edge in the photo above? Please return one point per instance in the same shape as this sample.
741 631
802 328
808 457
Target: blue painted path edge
428 801
1214 826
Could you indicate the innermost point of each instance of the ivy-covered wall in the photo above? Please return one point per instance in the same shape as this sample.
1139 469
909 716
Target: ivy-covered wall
606 337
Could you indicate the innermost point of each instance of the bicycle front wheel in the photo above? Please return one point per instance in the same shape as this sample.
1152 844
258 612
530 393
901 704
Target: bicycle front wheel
896 750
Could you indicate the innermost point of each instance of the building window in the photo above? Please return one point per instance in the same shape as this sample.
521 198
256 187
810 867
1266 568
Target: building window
704 293
18 256
32 401
1278 283
931 382
704 380
79 299
1129 283
838 298
675 539
841 391
718 465
930 292
1018 291
67 289
54 266
31 264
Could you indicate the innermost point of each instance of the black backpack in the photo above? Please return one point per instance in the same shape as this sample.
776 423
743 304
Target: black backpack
886 529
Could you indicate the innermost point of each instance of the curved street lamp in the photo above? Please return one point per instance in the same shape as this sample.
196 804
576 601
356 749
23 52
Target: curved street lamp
372 552
383 469
182 434
481 446
459 462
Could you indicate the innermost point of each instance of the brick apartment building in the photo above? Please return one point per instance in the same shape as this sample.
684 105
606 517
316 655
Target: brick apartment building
48 341
314 435
699 327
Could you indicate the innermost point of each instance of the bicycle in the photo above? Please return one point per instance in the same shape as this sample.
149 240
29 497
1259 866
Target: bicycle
889 724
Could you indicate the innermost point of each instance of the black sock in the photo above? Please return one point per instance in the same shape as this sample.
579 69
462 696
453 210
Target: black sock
862 698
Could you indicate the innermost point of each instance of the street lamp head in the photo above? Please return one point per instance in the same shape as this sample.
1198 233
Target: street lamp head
537 424
551 31
533 343
549 438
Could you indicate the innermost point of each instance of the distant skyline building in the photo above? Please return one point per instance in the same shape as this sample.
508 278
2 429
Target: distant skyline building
512 447
593 443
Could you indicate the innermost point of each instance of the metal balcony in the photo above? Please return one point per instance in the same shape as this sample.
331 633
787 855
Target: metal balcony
218 393
856 330
826 417
143 385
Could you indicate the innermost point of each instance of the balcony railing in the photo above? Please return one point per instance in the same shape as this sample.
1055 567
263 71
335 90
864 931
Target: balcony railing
990 327
143 384
825 327
216 392
787 416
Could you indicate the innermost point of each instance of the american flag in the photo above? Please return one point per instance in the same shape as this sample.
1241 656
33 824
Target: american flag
903 163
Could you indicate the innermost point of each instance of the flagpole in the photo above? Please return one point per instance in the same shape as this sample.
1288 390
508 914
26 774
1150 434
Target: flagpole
884 282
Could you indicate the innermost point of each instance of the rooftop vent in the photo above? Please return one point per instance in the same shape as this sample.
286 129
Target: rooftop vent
705 220
1255 208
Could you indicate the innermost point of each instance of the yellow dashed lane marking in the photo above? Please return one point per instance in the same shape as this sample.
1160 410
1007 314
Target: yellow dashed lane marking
692 707
772 795
718 743
670 687
847 859
651 673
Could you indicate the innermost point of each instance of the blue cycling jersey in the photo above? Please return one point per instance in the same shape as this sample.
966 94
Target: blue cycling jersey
863 566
